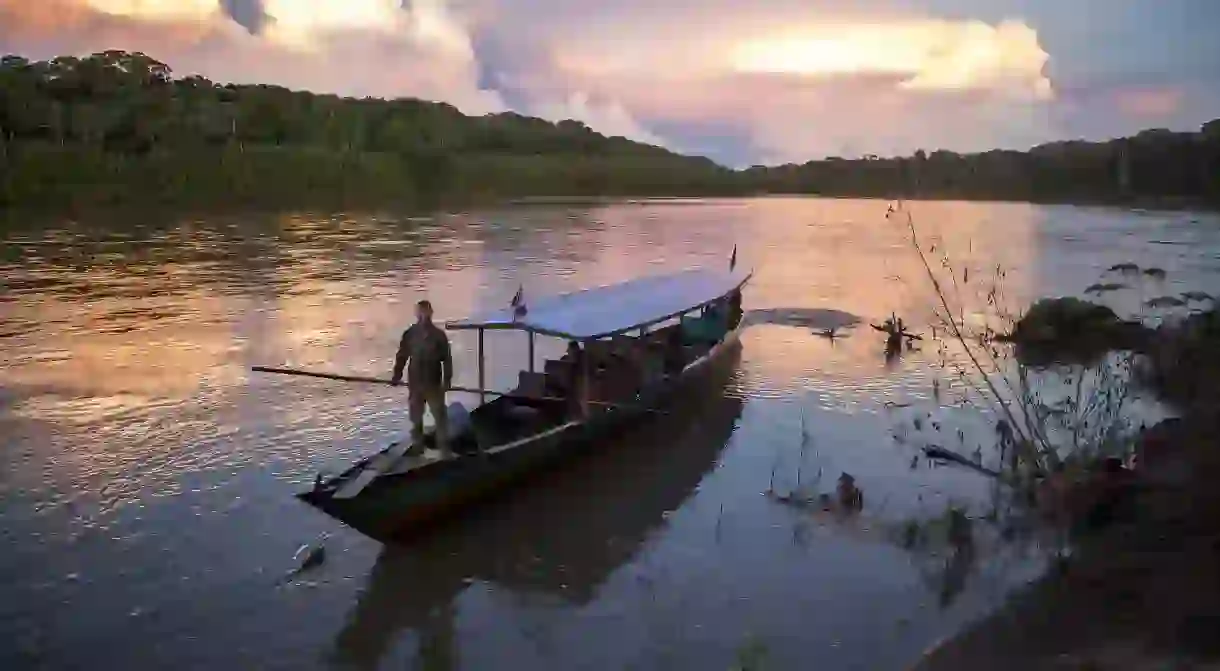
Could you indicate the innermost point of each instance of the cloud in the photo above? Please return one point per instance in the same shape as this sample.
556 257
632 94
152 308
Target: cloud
743 81
927 55
1123 103
305 24
796 81
1155 103
171 10
57 27
608 118
248 13
371 48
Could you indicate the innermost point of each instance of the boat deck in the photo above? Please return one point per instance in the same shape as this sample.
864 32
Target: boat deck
619 371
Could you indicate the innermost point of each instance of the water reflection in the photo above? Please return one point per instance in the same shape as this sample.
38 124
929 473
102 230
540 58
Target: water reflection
855 259
947 548
143 467
564 536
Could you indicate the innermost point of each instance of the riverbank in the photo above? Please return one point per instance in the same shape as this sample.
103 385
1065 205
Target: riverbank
1144 591
1151 203
1141 594
127 131
68 180
304 196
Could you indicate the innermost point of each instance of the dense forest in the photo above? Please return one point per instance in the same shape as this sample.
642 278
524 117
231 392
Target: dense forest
1155 166
118 127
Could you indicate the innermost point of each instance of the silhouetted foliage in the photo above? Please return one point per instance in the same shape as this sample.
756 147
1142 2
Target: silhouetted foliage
117 126
1153 165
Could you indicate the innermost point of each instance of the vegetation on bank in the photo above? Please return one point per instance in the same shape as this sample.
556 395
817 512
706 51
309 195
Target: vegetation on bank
1156 166
1139 592
118 128
1137 504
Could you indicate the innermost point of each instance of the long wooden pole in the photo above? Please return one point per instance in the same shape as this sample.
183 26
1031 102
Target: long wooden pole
467 390
325 376
584 384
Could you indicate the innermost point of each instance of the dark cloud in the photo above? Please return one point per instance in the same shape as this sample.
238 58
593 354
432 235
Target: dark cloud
249 13
726 143
496 62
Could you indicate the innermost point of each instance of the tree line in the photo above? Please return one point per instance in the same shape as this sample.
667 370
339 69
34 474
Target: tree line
118 127
1155 166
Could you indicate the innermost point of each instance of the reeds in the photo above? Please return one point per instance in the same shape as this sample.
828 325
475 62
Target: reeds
1043 416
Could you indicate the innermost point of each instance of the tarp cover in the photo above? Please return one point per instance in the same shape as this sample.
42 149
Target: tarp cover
614 309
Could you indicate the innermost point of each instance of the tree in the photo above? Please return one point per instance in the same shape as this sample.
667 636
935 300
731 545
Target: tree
116 108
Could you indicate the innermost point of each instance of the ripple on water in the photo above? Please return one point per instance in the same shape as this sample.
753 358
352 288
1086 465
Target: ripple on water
147 477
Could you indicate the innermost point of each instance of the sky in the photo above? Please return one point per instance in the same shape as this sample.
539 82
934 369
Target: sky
741 81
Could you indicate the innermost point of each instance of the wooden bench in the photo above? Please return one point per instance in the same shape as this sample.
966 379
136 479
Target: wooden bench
557 372
555 377
531 384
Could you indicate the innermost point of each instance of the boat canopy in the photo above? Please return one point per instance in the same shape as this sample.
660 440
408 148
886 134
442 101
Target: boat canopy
610 310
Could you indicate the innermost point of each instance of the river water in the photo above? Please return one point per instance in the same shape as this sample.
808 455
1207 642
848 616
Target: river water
147 478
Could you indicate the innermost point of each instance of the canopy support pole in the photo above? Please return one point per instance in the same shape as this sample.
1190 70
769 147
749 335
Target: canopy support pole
482 372
584 387
531 335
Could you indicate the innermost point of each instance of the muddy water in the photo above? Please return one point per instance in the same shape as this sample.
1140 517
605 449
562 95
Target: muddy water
146 477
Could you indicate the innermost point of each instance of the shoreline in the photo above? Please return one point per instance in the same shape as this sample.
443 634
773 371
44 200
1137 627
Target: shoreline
454 204
1142 590
1139 594
1152 204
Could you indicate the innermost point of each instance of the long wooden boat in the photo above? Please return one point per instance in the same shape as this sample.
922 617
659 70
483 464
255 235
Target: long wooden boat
562 537
622 329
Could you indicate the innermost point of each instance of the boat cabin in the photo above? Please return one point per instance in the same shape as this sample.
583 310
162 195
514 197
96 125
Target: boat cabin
632 337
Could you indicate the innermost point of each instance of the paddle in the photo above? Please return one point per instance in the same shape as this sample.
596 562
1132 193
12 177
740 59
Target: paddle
468 390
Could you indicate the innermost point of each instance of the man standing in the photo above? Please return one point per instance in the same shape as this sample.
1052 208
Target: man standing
429 375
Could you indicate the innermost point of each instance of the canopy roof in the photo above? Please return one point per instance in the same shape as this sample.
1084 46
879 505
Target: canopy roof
614 309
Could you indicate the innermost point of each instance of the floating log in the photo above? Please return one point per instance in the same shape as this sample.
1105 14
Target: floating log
935 452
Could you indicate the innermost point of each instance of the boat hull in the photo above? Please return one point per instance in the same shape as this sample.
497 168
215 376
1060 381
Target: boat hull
398 504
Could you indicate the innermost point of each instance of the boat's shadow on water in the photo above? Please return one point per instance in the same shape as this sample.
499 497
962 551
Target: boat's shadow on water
562 533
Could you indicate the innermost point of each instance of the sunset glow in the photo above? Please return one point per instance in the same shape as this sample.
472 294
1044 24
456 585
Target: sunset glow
299 22
158 9
929 55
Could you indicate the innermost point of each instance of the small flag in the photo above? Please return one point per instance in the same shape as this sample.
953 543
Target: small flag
733 259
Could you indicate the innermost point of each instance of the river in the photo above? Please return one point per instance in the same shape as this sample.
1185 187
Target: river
147 477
